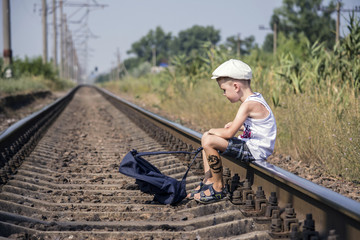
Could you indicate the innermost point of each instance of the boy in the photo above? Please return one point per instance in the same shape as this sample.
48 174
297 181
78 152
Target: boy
254 118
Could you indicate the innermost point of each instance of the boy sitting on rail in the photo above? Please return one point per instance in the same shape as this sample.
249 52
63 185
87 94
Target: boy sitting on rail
254 118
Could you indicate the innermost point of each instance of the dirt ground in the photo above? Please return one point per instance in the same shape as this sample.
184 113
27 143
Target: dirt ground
16 107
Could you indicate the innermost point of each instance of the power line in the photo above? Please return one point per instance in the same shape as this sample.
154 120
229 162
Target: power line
84 33
69 67
338 10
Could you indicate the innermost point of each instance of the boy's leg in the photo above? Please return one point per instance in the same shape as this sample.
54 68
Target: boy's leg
206 180
207 172
212 160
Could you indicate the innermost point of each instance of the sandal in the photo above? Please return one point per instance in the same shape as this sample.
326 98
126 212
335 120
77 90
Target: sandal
214 196
202 186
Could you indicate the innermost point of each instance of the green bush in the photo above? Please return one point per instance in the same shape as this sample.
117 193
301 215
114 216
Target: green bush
20 85
33 67
31 75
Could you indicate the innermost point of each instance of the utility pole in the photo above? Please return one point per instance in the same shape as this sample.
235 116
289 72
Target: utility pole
44 26
238 52
338 12
154 55
337 22
261 27
55 35
61 40
275 38
118 63
120 66
76 68
66 49
7 33
69 56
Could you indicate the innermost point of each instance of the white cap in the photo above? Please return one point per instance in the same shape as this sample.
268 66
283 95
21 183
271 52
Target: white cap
234 69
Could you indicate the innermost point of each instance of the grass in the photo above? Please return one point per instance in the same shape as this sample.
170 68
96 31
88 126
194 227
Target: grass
312 127
313 91
311 130
30 84
23 85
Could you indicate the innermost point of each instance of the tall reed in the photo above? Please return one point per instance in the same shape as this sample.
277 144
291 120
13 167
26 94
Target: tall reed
314 94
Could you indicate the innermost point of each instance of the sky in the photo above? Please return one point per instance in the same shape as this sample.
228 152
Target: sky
121 23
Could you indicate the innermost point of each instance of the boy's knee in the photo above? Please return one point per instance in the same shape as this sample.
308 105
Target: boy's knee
204 137
207 141
205 134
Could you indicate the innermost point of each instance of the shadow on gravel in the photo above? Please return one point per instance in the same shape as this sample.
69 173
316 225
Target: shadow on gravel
15 102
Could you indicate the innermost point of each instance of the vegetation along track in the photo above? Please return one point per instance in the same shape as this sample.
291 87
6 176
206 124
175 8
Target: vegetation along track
59 180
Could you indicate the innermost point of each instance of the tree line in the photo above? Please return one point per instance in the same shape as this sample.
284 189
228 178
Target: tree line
188 42
295 19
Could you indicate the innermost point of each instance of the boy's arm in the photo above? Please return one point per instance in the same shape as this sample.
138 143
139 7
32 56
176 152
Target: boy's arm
233 128
229 124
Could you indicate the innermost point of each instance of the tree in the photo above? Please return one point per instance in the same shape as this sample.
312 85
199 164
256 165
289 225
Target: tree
131 63
33 67
188 42
303 16
103 78
245 44
192 39
268 43
155 41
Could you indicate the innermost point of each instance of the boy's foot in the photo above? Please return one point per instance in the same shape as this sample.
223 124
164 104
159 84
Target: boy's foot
200 187
214 196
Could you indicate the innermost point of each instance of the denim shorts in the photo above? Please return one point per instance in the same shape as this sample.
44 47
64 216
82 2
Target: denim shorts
238 149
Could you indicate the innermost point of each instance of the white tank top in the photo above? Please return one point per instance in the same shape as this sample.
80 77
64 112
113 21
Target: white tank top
260 134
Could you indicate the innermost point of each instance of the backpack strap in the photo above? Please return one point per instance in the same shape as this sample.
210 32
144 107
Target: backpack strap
196 152
139 154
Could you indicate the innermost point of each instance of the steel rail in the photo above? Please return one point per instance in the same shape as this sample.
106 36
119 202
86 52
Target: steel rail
19 139
330 210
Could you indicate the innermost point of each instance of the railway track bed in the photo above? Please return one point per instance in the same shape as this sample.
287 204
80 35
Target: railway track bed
69 187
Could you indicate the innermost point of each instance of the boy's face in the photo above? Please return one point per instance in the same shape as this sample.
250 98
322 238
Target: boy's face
230 89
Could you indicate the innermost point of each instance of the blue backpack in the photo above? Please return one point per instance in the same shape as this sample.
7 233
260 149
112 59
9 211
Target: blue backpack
166 190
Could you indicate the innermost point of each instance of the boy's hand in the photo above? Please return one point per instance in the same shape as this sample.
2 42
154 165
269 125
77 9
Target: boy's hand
228 125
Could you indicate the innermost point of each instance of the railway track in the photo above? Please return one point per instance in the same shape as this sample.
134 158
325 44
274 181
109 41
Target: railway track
59 180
